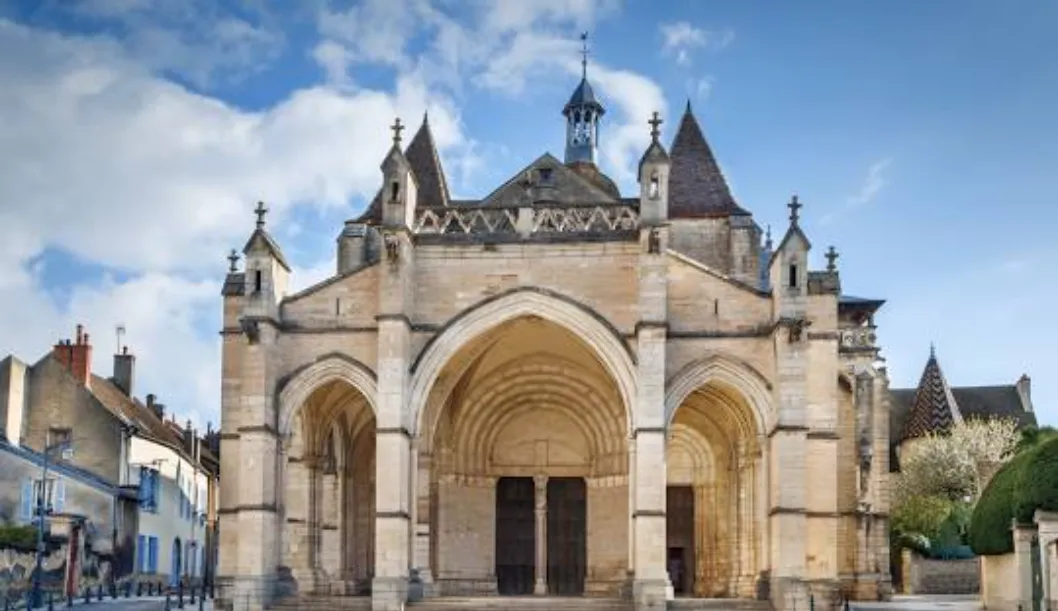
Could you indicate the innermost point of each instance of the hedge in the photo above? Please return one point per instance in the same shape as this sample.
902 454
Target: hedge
1039 482
22 538
1027 483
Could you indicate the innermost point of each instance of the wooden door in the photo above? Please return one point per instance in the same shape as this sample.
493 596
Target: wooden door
515 535
679 527
567 544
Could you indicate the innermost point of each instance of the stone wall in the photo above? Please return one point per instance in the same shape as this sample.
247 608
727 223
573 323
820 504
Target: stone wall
928 576
1000 582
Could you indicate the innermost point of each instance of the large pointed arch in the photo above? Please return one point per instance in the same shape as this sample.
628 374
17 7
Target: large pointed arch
327 368
591 328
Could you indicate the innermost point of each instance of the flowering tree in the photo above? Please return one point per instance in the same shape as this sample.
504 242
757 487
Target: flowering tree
942 475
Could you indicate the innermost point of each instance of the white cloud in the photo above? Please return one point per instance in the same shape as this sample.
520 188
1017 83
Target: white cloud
123 169
681 39
873 184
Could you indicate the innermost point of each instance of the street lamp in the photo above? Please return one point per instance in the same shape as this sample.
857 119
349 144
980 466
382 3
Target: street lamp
65 448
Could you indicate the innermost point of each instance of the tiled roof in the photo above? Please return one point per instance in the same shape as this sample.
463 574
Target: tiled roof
582 96
933 408
697 187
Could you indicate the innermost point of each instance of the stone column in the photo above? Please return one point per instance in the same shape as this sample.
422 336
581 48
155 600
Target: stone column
540 587
329 537
423 511
298 502
1023 536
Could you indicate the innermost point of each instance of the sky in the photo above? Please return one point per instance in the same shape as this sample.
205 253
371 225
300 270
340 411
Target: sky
137 135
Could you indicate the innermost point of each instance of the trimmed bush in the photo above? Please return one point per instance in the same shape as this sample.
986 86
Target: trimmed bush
990 523
23 538
922 515
1038 488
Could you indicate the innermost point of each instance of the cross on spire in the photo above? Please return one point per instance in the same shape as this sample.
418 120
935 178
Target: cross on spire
832 256
233 260
397 128
584 54
260 211
655 121
795 206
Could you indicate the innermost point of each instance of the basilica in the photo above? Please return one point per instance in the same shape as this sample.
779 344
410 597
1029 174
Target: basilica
557 389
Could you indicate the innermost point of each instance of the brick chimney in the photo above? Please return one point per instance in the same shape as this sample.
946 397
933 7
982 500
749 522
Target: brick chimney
124 370
1024 387
76 356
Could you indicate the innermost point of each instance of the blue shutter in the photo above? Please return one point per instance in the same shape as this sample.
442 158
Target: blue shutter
152 559
154 490
141 553
60 495
27 500
145 480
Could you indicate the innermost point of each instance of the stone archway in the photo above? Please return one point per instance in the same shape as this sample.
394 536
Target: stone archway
326 421
523 438
716 412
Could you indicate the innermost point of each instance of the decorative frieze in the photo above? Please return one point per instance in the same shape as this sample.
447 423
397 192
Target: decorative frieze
858 338
530 220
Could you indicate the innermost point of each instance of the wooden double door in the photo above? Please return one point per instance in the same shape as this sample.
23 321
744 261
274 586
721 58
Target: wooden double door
567 544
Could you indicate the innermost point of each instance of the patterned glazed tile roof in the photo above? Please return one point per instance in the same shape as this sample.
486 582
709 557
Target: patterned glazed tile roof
933 407
697 187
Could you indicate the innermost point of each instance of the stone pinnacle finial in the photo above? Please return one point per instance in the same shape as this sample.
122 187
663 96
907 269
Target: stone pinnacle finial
397 128
233 261
655 122
260 211
832 256
795 207
932 351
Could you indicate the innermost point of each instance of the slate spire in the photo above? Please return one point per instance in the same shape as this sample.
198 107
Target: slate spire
426 164
697 186
933 408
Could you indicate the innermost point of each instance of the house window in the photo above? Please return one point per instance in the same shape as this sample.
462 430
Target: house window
59 435
54 490
148 489
545 174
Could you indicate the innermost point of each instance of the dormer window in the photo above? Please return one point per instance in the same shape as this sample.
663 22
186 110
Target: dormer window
545 174
793 276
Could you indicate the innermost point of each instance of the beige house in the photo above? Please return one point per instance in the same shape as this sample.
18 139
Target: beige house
556 389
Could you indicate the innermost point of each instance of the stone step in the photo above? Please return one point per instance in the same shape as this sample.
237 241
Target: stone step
323 603
522 603
719 604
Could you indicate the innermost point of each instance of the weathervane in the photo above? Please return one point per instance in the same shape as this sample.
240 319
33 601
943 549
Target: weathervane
584 54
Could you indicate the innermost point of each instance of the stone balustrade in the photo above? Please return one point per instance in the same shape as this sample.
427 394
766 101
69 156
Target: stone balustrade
526 221
855 339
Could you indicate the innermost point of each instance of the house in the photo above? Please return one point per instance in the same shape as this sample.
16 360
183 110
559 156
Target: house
164 475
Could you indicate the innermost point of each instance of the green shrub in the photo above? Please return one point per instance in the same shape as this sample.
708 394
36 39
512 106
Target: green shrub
992 516
18 537
1038 488
921 515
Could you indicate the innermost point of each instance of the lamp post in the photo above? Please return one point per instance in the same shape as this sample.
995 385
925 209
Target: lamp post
67 451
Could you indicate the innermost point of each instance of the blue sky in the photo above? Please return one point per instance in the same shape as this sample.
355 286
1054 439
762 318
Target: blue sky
137 135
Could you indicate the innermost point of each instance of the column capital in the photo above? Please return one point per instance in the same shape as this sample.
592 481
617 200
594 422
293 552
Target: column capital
540 481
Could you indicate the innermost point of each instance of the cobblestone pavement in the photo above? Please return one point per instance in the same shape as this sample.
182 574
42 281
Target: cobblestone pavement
923 603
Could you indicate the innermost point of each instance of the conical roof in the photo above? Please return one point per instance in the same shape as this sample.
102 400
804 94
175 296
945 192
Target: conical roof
933 408
697 187
583 96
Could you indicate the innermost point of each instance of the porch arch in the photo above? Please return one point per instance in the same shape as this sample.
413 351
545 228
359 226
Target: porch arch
603 339
327 368
719 368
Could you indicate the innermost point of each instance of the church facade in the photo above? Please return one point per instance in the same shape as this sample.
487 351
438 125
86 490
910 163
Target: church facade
557 389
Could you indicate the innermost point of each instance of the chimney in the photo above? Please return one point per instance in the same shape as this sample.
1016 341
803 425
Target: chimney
154 406
76 357
124 368
1024 387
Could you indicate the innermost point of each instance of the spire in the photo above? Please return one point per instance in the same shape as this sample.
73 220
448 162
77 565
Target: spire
697 186
582 113
933 408
426 165
584 56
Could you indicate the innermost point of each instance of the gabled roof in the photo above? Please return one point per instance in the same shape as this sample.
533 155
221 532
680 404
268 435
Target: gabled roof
794 231
654 153
933 407
568 185
697 187
260 238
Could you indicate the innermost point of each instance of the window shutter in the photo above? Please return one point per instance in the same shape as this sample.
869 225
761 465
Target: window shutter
141 553
60 495
27 500
154 490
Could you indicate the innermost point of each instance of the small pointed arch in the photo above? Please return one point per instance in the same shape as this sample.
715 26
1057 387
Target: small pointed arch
726 370
327 368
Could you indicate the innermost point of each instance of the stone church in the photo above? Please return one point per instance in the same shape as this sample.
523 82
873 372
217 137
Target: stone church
557 389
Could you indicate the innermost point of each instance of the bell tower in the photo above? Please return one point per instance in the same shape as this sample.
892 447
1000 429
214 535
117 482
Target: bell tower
582 113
